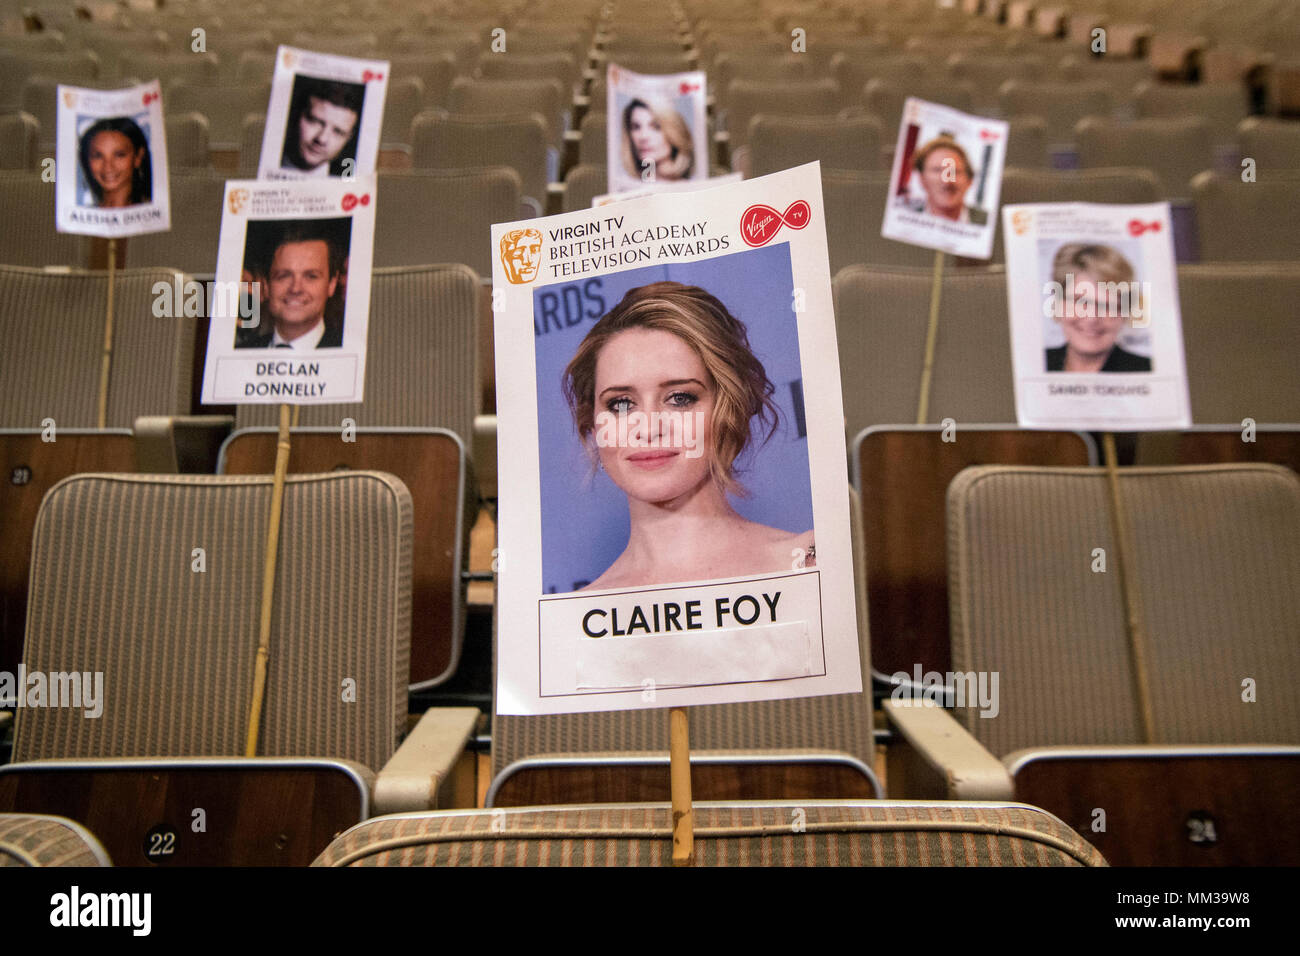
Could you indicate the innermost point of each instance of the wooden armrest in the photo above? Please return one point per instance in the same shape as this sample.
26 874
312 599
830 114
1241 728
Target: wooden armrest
415 775
936 752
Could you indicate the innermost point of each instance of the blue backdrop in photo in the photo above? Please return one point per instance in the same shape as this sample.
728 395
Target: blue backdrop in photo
584 514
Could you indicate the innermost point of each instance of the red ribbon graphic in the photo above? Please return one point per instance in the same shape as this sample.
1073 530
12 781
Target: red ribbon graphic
760 223
1136 227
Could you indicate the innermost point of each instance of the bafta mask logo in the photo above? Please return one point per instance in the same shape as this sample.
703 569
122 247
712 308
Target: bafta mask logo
69 99
238 200
1021 221
521 255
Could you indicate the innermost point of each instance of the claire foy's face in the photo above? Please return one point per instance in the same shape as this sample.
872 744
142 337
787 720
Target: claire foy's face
657 457
1091 321
113 162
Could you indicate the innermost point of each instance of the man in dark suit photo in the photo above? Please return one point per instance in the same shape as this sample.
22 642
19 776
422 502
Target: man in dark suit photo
324 119
301 275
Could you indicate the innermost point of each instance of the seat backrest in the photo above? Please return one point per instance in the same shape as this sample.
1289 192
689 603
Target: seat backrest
747 98
1027 144
28 839
224 106
52 325
1221 105
584 183
1274 144
855 208
902 473
1248 222
435 70
751 834
402 103
187 142
506 98
443 215
1060 105
191 244
1173 149
19 135
439 141
880 319
176 648
781 142
1241 340
1216 563
530 66
420 356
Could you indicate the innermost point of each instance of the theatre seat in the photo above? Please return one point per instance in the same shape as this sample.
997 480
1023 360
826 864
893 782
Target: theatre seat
28 839
1216 565
790 833
158 609
53 327
880 321
902 473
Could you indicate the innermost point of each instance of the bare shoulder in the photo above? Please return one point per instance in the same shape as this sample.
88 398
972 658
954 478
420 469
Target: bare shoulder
784 549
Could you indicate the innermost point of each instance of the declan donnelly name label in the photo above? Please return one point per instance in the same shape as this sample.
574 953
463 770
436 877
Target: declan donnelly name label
673 520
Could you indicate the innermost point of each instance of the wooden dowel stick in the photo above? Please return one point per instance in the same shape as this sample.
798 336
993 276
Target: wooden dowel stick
268 585
931 335
106 362
1128 589
679 763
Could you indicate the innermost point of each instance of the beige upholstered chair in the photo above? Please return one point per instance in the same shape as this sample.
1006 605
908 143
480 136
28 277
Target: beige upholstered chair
19 136
1061 105
435 70
440 141
1216 566
416 422
225 107
1174 149
443 215
28 839
583 184
830 833
404 101
29 237
1241 341
748 98
1248 222
780 142
1274 144
191 243
187 142
176 651
506 98
855 208
880 320
1221 105
802 747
